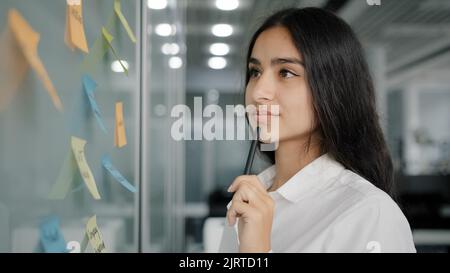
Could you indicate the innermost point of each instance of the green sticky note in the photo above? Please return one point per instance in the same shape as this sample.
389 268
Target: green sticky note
84 243
65 178
123 20
98 50
109 38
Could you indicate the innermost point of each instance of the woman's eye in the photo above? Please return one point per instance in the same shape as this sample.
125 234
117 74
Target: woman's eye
287 74
253 73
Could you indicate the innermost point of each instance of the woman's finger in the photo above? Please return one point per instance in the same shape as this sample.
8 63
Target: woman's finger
237 209
251 195
251 179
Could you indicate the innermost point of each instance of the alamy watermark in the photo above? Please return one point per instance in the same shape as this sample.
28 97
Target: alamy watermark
226 124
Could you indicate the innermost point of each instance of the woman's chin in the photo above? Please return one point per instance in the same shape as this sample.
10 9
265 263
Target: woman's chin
267 137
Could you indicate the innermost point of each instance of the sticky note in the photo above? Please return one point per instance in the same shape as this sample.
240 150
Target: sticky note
89 85
98 50
109 38
106 161
123 20
50 237
65 178
78 151
94 235
84 243
28 40
120 138
13 68
74 34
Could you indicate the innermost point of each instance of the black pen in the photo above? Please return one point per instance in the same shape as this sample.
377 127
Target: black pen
251 153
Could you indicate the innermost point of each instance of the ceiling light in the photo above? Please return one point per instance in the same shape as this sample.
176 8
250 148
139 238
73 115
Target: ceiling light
165 30
157 4
222 30
227 4
117 67
219 49
170 49
217 62
175 62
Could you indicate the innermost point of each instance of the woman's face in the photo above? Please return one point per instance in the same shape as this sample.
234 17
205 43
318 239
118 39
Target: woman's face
277 77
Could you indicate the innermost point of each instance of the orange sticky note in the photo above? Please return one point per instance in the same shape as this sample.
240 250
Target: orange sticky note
120 138
74 35
13 68
28 40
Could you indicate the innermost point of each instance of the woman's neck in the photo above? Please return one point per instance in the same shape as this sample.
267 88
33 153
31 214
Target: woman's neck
290 157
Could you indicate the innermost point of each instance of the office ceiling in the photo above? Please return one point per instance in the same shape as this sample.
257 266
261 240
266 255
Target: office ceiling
413 33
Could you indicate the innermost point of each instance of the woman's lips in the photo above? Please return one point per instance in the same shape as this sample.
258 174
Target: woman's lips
264 118
262 115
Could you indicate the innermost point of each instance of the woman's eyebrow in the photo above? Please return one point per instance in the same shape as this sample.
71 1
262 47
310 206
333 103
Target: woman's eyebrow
277 61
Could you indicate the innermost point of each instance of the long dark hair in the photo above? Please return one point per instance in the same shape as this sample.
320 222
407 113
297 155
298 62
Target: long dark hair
342 91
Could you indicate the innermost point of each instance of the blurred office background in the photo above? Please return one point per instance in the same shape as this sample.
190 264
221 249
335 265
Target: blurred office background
177 57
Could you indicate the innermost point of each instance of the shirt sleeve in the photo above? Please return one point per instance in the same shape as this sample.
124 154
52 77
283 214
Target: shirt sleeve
374 225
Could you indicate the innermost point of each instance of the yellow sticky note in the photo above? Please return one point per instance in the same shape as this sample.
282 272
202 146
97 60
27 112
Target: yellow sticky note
28 40
123 20
94 235
109 38
78 151
120 138
74 35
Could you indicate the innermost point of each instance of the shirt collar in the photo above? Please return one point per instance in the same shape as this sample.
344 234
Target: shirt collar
308 180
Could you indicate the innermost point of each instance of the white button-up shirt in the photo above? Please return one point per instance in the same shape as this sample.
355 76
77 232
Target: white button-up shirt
327 208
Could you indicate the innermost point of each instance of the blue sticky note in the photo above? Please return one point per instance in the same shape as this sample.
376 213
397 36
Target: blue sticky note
89 86
51 239
106 161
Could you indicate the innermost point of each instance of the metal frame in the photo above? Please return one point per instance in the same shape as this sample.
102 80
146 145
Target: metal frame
141 227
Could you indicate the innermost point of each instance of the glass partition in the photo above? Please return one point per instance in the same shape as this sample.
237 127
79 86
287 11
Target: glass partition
45 203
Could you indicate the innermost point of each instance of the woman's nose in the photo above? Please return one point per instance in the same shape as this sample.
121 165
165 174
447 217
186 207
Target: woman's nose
264 89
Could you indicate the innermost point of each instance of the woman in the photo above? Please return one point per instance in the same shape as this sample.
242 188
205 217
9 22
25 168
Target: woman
328 190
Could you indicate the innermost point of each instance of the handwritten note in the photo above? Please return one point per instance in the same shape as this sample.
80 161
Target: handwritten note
120 138
109 38
28 40
74 34
89 86
106 161
123 20
50 237
78 151
94 235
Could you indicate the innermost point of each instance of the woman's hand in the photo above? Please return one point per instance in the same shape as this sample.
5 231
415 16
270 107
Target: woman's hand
253 205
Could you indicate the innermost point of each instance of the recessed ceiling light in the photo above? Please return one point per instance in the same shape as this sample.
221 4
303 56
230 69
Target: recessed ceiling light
165 30
227 4
175 62
222 30
170 49
157 4
219 49
217 62
213 95
117 67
